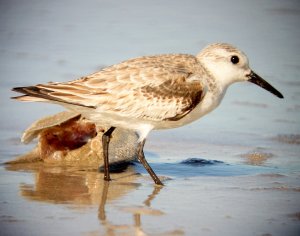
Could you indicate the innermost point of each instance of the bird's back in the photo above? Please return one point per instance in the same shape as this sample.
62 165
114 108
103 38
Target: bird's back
153 88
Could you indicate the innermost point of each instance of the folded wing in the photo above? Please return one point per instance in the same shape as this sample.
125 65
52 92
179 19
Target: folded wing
163 87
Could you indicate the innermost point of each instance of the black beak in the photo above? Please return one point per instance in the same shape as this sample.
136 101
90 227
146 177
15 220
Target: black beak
256 79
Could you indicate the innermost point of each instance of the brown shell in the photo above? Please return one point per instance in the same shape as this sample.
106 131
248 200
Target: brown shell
67 138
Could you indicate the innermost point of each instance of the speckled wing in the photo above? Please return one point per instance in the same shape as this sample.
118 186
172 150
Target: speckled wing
163 87
170 100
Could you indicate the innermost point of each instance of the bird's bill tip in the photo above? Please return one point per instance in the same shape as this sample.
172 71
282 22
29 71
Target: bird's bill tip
256 79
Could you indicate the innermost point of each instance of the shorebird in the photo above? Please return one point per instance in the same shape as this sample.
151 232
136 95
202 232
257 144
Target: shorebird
151 92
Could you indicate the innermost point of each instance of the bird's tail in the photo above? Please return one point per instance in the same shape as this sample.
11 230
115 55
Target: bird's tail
39 93
31 94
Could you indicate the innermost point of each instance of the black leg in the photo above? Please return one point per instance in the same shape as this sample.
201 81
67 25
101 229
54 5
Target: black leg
105 144
143 160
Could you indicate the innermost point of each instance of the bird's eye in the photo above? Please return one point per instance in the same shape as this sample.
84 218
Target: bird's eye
235 59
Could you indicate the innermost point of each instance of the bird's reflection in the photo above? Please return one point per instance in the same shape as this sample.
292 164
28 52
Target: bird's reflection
137 213
79 187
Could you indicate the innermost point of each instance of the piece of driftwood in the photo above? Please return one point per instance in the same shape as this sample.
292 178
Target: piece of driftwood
68 138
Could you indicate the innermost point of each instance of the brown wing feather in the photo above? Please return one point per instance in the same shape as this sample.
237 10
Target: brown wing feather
186 96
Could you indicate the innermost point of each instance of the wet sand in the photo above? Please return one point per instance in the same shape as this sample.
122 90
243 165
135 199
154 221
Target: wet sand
234 172
209 199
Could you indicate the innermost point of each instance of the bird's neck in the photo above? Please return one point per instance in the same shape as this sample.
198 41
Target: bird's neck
218 80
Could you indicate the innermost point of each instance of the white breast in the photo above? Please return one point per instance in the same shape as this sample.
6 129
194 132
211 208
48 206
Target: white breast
209 103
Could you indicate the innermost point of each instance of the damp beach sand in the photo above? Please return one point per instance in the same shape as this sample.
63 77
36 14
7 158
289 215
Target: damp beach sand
234 172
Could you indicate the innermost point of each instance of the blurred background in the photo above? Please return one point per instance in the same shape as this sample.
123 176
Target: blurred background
42 41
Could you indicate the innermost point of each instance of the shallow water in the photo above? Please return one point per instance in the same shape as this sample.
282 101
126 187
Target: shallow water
244 179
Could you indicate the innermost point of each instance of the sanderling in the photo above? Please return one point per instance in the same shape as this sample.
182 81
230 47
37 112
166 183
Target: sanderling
151 92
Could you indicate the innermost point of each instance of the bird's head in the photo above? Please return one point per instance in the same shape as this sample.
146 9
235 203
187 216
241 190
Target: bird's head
228 64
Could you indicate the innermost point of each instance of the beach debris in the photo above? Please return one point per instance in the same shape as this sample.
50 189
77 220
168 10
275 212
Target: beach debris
68 138
257 157
288 138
